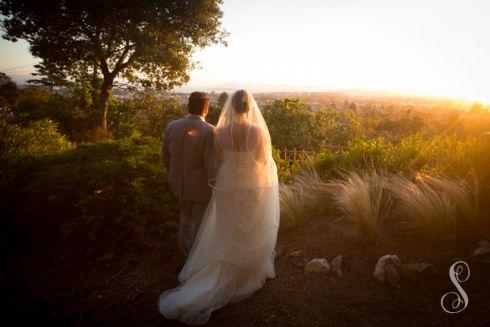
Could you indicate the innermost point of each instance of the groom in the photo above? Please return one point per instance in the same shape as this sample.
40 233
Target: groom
186 152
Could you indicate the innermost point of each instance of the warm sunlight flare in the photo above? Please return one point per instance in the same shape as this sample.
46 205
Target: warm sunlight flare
427 47
424 47
224 162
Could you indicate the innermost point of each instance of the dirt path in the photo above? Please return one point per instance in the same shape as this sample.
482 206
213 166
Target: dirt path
62 290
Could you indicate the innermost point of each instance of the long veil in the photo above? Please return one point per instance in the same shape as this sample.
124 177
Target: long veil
234 249
242 129
243 213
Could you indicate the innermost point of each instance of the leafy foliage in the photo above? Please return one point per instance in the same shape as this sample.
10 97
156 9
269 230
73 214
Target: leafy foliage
9 94
39 137
147 43
72 113
105 194
293 124
440 155
146 114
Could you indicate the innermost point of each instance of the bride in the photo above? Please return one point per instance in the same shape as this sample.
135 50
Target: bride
234 250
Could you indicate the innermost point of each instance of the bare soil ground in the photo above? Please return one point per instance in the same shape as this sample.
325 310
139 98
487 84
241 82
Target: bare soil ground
58 287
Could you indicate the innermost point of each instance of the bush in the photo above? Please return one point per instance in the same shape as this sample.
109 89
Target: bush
39 137
286 169
447 156
364 200
146 114
71 112
293 124
110 193
95 135
436 209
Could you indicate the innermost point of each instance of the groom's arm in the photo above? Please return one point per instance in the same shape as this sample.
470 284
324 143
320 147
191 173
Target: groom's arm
208 149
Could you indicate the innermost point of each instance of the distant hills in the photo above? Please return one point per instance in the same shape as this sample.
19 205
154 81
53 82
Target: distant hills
278 88
252 87
274 88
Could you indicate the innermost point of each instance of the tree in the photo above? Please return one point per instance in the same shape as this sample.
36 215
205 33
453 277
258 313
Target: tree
222 99
146 113
9 94
145 43
50 76
290 123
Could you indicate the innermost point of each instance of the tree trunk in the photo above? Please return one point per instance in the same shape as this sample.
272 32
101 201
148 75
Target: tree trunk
103 104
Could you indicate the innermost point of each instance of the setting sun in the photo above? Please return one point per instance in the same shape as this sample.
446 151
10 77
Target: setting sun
435 47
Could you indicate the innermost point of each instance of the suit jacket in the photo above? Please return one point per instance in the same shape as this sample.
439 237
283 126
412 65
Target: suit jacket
186 152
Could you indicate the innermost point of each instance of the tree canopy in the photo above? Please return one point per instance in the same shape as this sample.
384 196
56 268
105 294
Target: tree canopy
9 94
146 43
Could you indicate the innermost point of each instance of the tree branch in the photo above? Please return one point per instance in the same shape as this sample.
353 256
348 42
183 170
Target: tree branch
104 67
120 64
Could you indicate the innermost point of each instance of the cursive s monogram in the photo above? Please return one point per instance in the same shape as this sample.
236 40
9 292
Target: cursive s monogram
459 299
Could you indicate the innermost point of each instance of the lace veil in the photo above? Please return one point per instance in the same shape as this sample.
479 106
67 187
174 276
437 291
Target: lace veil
242 137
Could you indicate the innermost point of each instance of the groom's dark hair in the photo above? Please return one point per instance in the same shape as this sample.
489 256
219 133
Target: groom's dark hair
198 103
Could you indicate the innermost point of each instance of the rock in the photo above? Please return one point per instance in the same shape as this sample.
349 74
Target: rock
318 265
297 258
387 270
482 252
418 271
337 266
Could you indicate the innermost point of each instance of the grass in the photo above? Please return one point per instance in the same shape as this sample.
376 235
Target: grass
364 200
306 195
438 208
435 209
423 210
293 209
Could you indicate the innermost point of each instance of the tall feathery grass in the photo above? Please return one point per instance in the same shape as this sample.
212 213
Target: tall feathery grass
364 200
423 210
436 209
306 195
293 209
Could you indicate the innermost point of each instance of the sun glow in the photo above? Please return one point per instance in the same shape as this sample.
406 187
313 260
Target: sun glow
430 47
420 47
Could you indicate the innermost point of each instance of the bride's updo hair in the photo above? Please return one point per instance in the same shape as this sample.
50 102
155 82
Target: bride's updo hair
240 102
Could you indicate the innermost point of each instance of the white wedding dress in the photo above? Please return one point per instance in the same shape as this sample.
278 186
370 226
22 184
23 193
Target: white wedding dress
234 250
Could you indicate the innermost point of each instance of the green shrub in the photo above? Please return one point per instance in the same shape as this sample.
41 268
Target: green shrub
146 114
37 138
110 193
446 156
72 112
286 169
380 154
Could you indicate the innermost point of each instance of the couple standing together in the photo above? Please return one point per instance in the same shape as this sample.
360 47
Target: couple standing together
227 182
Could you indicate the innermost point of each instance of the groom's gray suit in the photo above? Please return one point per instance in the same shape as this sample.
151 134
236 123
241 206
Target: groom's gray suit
186 152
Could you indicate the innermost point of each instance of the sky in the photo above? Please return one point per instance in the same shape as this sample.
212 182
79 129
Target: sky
427 47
